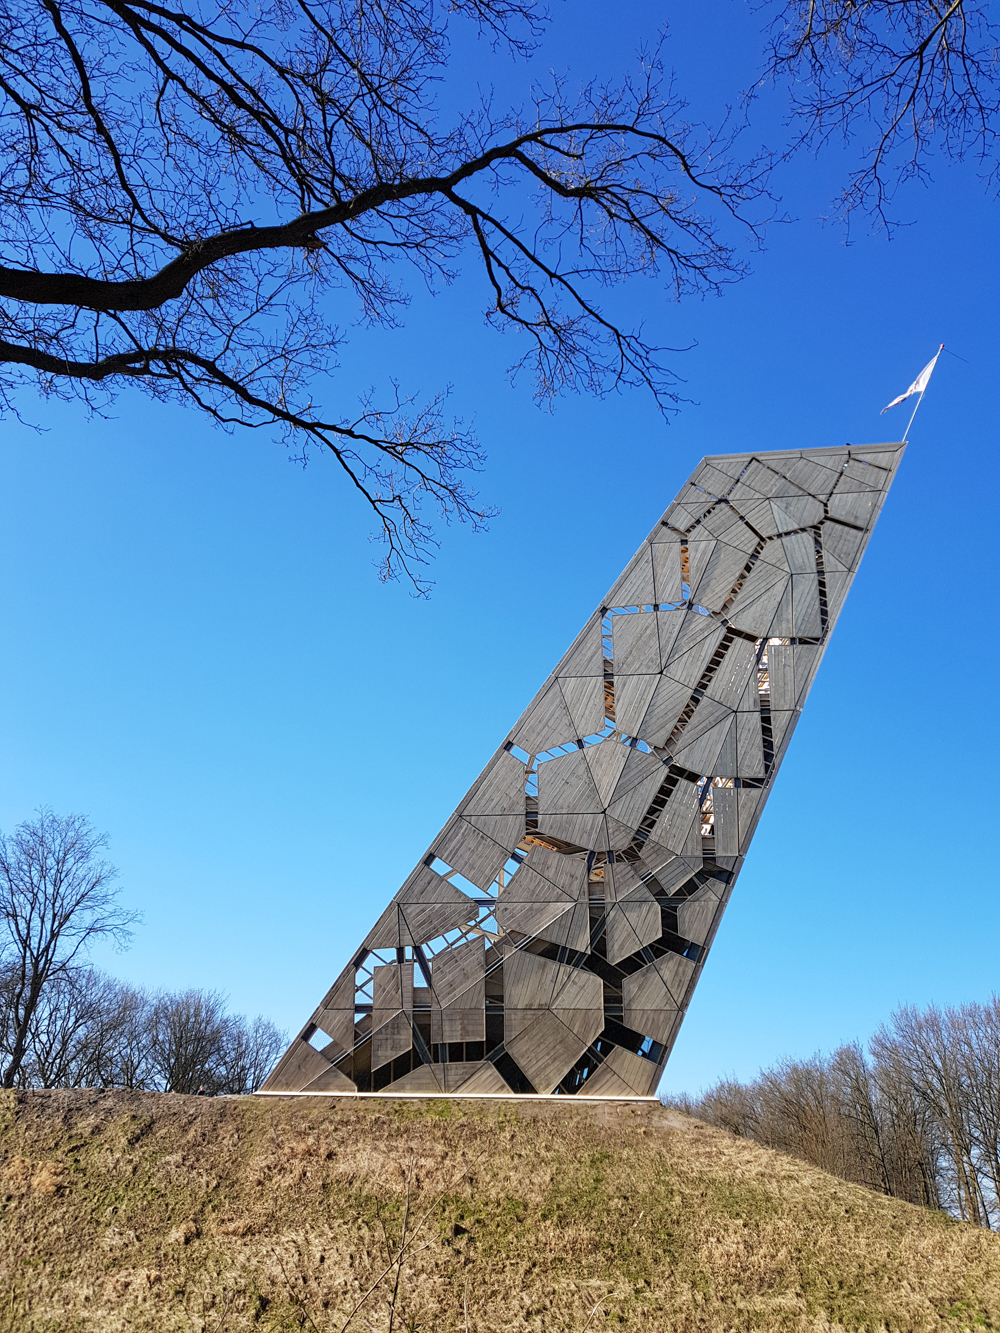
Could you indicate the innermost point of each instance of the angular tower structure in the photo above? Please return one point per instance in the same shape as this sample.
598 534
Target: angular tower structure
552 936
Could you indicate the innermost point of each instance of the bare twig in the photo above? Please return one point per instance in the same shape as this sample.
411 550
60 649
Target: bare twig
199 230
402 1246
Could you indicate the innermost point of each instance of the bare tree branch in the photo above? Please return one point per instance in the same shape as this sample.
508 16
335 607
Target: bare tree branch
904 77
188 195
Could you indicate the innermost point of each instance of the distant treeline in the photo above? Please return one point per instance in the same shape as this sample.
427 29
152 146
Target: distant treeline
89 1030
917 1116
65 1024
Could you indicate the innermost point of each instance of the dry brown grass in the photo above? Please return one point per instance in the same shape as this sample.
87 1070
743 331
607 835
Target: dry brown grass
156 1212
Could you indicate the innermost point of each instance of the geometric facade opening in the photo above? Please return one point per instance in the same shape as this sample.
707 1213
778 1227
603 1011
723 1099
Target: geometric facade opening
552 936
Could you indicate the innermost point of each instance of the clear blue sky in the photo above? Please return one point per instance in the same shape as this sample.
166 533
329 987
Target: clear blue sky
198 654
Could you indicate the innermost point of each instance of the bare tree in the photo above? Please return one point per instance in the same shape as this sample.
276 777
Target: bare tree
196 198
248 1053
62 1026
924 1047
116 1049
906 77
57 898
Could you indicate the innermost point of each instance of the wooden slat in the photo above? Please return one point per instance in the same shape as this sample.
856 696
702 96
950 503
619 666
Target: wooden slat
630 803
805 606
530 916
385 934
687 667
458 1023
666 555
724 522
564 872
727 763
606 1082
780 724
758 514
630 925
749 745
569 929
298 1066
853 507
500 789
758 479
584 698
546 1051
665 707
806 662
721 575
585 656
795 511
781 671
733 465
429 906
484 1079
730 680
503 831
750 807
808 474
338 1025
753 611
881 456
636 644
606 762
392 990
632 697
341 993
582 830
696 916
617 837
837 588
700 550
712 478
727 827
700 753
394 1037
773 553
565 786
425 1078
623 1074
459 972
578 1001
546 724
474 853
661 985
635 587
783 624
669 624
330 1080
670 873
529 981
674 826
800 552
682 517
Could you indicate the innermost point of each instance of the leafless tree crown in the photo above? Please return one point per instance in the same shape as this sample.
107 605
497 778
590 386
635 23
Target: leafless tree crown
196 197
57 897
918 1117
90 1030
903 77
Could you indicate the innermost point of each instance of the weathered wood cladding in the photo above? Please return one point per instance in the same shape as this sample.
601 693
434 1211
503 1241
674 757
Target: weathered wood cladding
551 938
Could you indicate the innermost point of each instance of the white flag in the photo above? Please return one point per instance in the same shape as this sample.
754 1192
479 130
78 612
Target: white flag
919 384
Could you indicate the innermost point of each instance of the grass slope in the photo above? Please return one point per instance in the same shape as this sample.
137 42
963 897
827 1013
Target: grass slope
136 1211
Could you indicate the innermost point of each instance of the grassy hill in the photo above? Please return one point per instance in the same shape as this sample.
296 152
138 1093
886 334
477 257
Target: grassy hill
139 1211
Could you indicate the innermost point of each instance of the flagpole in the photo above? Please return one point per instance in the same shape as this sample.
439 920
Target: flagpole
914 413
